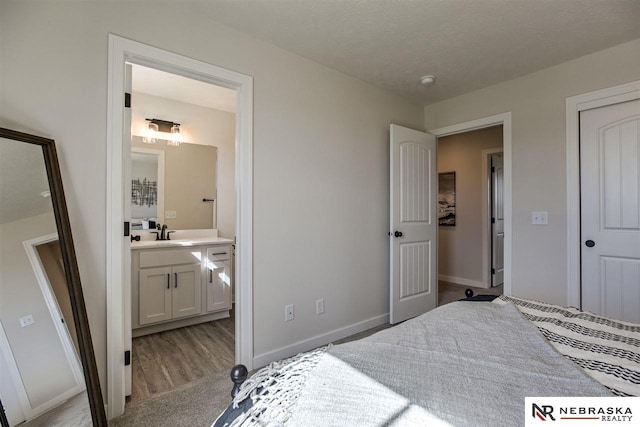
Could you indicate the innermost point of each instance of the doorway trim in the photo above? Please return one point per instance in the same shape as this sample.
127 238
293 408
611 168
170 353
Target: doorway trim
503 119
52 304
122 51
574 105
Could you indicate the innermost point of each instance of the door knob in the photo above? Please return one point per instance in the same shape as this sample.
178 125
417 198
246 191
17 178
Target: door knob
590 243
398 234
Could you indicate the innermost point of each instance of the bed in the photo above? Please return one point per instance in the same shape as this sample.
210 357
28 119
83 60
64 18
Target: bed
464 363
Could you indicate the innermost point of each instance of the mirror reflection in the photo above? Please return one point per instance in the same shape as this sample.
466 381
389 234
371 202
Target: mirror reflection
42 381
174 180
200 167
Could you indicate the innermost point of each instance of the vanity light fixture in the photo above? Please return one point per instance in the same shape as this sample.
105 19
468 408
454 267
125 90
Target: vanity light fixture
176 137
156 129
150 133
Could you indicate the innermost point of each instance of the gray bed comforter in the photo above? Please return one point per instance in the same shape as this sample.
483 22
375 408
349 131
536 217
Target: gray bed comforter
463 364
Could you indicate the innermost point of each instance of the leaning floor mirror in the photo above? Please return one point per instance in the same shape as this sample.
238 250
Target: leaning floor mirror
48 373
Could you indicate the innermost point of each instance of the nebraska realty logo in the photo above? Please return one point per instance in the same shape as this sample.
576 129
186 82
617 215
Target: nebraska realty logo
582 411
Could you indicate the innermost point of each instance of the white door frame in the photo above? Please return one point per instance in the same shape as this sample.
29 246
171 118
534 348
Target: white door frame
574 105
52 304
503 119
487 229
121 51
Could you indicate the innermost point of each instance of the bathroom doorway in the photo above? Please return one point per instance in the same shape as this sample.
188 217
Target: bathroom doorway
123 52
182 181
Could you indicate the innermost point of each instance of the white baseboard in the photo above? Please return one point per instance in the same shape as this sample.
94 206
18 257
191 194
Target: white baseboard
264 359
462 281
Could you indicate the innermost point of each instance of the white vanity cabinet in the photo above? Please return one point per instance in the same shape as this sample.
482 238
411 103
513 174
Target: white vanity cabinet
218 278
179 286
170 293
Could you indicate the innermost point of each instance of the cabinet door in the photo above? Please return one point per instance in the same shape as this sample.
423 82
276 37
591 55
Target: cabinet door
155 295
218 286
187 290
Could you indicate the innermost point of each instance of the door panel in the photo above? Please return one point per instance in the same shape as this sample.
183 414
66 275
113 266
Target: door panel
610 213
413 281
497 213
155 295
187 291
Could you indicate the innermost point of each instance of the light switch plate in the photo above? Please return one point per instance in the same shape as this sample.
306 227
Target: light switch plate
540 217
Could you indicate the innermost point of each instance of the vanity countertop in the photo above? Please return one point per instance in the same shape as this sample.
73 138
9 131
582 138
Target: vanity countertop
181 241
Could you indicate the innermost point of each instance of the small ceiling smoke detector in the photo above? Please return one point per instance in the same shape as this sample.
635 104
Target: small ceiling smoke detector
46 194
428 80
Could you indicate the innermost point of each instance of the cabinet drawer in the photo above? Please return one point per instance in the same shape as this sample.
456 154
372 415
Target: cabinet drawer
162 257
218 253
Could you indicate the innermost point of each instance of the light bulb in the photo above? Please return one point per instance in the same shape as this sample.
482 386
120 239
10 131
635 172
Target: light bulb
176 136
150 137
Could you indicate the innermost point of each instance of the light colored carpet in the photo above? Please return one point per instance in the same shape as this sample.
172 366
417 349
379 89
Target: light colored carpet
195 404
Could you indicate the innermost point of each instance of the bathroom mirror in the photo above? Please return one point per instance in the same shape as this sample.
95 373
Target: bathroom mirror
45 342
185 177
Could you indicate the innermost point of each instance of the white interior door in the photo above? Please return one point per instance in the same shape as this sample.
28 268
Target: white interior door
414 223
126 245
497 219
610 210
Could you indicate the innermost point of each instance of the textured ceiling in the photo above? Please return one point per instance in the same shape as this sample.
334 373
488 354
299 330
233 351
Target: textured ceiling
467 44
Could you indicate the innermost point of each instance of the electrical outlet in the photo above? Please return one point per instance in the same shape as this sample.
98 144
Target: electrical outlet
288 312
170 215
27 320
320 306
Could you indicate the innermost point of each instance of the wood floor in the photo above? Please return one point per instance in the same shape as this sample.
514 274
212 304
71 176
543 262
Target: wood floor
167 360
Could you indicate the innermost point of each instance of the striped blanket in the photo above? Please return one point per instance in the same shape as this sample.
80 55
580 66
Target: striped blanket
607 350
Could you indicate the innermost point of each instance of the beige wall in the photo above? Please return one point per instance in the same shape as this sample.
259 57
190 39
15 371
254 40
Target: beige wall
203 126
37 349
460 247
537 104
321 155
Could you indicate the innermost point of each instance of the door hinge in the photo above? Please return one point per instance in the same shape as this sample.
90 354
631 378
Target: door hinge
127 358
493 169
493 271
127 100
493 220
126 228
